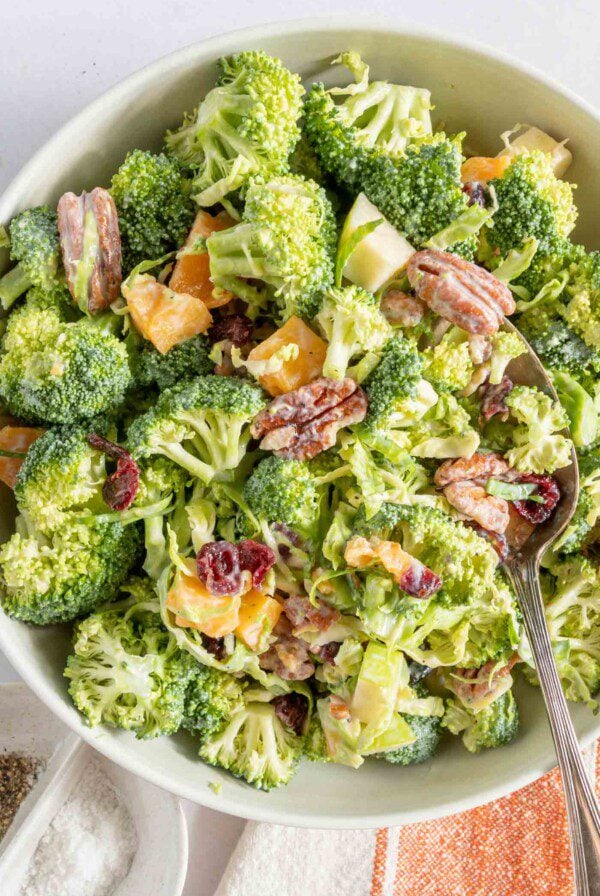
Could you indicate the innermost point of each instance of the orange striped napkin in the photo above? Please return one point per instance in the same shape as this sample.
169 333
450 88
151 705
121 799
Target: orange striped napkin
516 846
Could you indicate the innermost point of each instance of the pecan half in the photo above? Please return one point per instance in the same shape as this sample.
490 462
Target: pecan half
479 466
305 422
473 501
90 243
460 291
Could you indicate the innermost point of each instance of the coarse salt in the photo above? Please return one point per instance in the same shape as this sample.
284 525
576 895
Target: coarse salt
88 847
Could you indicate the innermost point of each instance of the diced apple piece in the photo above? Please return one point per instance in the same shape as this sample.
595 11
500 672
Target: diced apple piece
379 255
191 273
258 617
483 169
193 606
162 316
300 370
17 439
534 138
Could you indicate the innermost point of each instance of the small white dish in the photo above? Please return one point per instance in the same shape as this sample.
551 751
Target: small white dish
160 863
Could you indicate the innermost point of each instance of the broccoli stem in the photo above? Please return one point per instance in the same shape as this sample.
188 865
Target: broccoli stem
184 459
156 546
12 285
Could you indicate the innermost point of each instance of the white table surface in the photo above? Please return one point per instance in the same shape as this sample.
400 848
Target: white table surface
60 55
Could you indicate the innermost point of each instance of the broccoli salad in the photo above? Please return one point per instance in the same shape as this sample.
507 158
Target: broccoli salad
267 447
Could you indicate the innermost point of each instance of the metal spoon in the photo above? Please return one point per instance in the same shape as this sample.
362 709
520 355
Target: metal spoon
523 567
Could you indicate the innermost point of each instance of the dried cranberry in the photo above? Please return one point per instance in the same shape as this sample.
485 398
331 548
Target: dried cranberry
218 567
257 558
493 398
496 539
476 192
327 652
548 489
214 646
292 709
236 328
121 487
417 671
419 581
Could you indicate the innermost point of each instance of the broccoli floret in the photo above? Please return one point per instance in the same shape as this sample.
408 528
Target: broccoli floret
246 126
448 365
287 492
56 298
426 730
212 697
127 671
255 745
582 312
304 161
573 617
582 527
55 578
539 445
184 360
34 245
493 726
394 381
562 349
203 425
353 324
282 250
59 372
61 473
154 206
532 202
580 407
506 345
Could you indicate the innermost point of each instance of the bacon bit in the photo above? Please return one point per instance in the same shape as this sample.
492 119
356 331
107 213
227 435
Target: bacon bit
459 291
410 574
236 328
288 657
292 710
308 617
493 399
338 708
121 487
305 422
548 489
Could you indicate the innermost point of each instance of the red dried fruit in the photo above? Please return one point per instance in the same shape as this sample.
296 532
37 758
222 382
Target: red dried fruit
218 567
493 398
327 652
214 646
476 193
236 328
257 558
419 581
497 539
548 489
121 487
292 709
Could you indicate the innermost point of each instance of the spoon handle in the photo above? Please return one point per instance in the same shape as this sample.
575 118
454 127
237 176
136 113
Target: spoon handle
583 811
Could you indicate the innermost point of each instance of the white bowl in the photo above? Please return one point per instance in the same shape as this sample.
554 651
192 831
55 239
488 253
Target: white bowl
473 88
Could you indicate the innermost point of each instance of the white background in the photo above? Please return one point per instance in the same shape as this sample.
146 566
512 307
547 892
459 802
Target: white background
56 57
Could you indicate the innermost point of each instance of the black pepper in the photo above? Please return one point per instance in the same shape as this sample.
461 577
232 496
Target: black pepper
17 777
